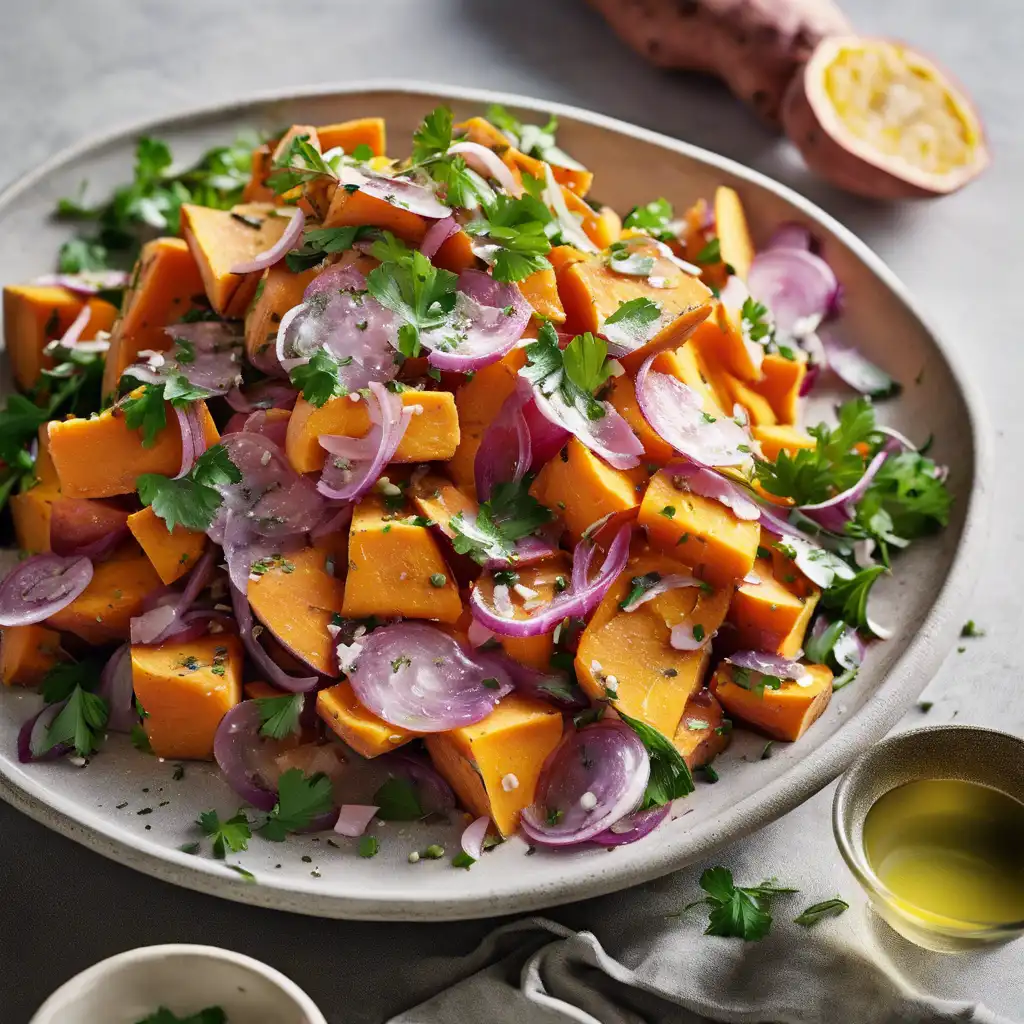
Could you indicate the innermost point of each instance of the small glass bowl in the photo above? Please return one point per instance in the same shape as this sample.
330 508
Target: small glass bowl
964 752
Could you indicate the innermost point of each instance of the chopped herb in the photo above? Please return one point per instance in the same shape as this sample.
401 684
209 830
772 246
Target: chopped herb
510 514
438 579
491 683
638 586
849 598
655 218
571 375
699 633
506 577
463 860
211 1015
369 846
971 630
232 835
398 800
711 253
80 722
300 163
318 243
709 773
319 380
191 500
669 512
634 318
737 911
280 715
670 777
300 799
924 706
819 911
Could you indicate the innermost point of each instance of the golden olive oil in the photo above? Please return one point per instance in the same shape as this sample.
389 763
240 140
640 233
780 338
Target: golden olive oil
949 849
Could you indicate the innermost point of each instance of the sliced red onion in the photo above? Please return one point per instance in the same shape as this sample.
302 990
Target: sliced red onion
288 240
85 529
818 564
472 839
546 437
682 637
901 440
595 777
486 162
86 282
339 316
569 226
78 325
274 499
771 665
611 436
41 586
488 319
838 510
504 452
235 749
243 547
336 518
354 463
437 234
709 484
273 672
163 620
353 819
552 687
268 394
432 789
576 601
32 736
790 236
275 430
633 827
405 195
839 640
116 689
794 284
214 360
850 366
675 413
671 581
193 437
418 678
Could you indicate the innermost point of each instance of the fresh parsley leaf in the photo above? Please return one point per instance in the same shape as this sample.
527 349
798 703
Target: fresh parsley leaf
299 163
737 912
711 253
60 681
754 319
756 682
819 911
397 800
654 217
533 139
300 799
969 630
80 722
318 243
433 136
458 186
319 380
547 370
421 294
179 391
585 361
191 500
849 598
78 254
280 715
908 491
233 834
369 846
518 226
510 514
670 775
211 1015
638 586
145 411
633 319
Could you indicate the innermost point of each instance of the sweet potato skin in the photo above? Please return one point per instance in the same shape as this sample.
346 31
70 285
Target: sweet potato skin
754 46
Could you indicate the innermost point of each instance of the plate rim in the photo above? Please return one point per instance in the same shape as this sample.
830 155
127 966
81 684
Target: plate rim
907 677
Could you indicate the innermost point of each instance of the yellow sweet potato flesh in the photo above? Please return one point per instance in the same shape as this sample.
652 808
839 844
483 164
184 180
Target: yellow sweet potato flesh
27 653
363 131
186 689
780 384
165 285
734 240
390 566
629 654
494 765
699 531
296 597
222 239
103 456
781 437
172 552
431 436
358 208
540 290
783 714
35 315
362 730
102 613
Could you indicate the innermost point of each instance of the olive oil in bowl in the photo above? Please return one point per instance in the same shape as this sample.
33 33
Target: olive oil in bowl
950 853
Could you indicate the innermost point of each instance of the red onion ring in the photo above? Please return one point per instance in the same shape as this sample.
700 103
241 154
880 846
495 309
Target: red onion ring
838 510
671 581
472 838
595 777
78 325
488 319
771 665
417 677
234 745
406 195
275 430
856 370
504 452
214 363
193 437
268 394
675 413
86 282
633 827
40 587
275 675
353 819
486 162
611 436
357 461
794 284
576 601
790 236
437 234
288 240
552 687
32 736
709 484
546 438
161 622
117 690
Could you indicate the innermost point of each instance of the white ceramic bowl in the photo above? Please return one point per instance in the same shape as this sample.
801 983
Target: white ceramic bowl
129 987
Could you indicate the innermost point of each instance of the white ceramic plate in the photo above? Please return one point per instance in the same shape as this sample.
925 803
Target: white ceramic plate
128 806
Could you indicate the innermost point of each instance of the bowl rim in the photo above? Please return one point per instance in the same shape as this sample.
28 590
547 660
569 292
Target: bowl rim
855 855
140 955
808 775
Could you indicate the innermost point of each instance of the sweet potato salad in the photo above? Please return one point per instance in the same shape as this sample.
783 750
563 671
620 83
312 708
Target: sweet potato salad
322 459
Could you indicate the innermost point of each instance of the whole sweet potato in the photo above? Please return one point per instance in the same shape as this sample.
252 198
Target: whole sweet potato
754 46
